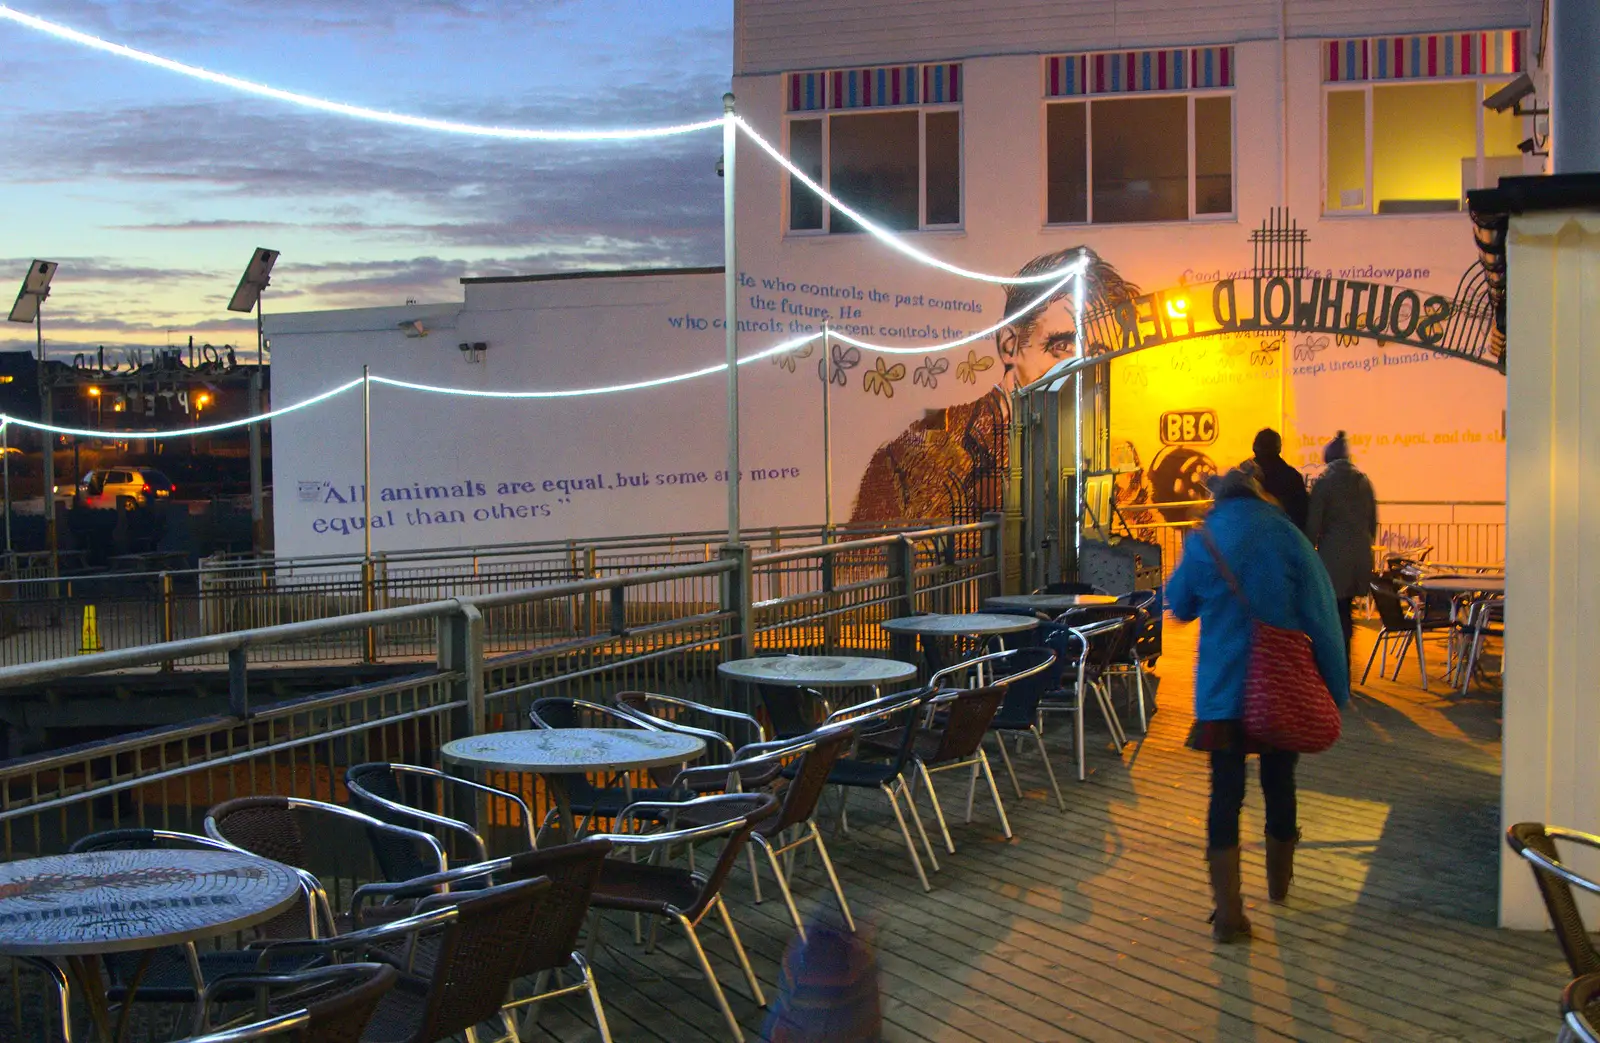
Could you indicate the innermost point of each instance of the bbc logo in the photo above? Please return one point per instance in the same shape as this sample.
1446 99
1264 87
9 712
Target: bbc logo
1189 427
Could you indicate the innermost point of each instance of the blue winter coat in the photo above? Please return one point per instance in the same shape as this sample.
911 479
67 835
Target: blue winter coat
1286 586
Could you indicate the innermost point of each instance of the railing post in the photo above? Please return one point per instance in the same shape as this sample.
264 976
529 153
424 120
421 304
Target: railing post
830 618
370 649
166 617
461 651
903 569
238 684
588 599
994 548
736 601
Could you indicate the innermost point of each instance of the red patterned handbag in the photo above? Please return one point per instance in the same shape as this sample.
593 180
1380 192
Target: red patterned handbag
1287 704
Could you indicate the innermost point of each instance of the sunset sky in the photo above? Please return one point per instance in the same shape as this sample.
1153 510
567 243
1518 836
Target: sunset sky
152 189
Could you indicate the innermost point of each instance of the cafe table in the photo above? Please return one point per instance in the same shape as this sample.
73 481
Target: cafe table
1052 604
77 908
558 754
1486 583
966 624
798 672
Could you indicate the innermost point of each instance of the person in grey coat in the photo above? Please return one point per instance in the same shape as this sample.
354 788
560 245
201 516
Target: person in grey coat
1341 524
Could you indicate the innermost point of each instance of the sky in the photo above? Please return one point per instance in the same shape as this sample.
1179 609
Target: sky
151 190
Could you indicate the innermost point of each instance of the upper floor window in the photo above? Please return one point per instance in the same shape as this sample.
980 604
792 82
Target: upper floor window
1404 127
1148 136
887 141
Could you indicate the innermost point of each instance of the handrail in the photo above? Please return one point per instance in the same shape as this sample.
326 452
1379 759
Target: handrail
148 655
795 553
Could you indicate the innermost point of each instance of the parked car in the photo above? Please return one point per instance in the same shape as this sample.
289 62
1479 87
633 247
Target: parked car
123 487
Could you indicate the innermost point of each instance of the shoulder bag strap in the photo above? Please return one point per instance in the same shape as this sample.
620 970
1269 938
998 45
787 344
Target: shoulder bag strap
1222 567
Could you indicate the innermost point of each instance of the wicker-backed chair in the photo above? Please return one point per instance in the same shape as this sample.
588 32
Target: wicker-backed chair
1404 620
336 1002
284 1028
277 828
471 944
685 896
393 792
1026 674
896 717
573 871
806 762
1143 648
1580 1010
955 740
170 976
1536 842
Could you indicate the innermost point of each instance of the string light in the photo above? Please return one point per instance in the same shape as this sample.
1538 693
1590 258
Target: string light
934 349
182 432
887 237
62 32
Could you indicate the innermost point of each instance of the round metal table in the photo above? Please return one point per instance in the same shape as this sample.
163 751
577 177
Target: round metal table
1485 584
1045 602
968 624
800 672
79 907
555 753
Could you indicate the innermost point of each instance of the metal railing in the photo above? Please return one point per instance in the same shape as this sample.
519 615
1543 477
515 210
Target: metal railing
47 618
664 630
1467 531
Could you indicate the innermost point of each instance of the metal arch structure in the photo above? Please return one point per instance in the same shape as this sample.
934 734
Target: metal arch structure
1051 415
1462 326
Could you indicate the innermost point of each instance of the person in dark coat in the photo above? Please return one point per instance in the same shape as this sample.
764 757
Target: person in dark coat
1281 481
1342 523
1282 584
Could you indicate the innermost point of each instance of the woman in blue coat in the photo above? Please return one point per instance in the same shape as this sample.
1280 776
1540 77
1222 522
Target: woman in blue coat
1285 585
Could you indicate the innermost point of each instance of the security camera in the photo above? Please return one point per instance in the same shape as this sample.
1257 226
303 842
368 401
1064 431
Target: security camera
1509 98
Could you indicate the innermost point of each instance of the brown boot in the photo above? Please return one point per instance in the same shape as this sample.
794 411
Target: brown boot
1228 922
1280 867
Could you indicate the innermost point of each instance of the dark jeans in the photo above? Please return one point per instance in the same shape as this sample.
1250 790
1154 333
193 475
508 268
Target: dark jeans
1227 796
1347 607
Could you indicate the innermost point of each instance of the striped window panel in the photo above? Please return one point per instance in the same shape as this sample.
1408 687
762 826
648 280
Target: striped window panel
941 84
1435 56
1123 72
807 91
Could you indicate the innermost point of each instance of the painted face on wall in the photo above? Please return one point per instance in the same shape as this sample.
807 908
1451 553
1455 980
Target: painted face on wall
1028 352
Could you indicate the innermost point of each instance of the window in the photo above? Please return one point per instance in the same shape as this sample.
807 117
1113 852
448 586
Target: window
896 161
1404 127
1166 157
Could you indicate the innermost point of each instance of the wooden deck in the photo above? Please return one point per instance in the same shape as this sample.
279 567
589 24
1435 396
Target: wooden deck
1091 924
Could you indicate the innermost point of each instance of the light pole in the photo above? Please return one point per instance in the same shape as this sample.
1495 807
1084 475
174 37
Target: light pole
29 307
730 309
247 297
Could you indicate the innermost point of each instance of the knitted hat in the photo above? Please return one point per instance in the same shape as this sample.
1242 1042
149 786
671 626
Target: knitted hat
1337 449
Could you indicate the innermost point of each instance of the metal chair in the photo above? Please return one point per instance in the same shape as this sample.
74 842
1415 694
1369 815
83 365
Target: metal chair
1142 650
670 713
285 1028
1580 1010
334 1004
962 719
900 715
380 790
573 872
813 757
1535 842
684 896
275 828
1485 618
1085 650
1404 620
475 941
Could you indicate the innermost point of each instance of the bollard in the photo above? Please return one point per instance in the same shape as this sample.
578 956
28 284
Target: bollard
89 637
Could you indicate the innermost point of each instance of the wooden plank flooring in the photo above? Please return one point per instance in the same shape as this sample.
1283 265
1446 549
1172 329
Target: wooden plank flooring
1090 925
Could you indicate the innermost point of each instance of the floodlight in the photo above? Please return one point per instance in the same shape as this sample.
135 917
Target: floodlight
1509 98
256 278
35 288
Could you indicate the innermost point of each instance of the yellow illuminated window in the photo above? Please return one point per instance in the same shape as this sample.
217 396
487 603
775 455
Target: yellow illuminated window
1347 150
1415 147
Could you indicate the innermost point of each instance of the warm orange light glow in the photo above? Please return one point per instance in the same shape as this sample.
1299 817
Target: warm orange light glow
1178 306
204 400
94 392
